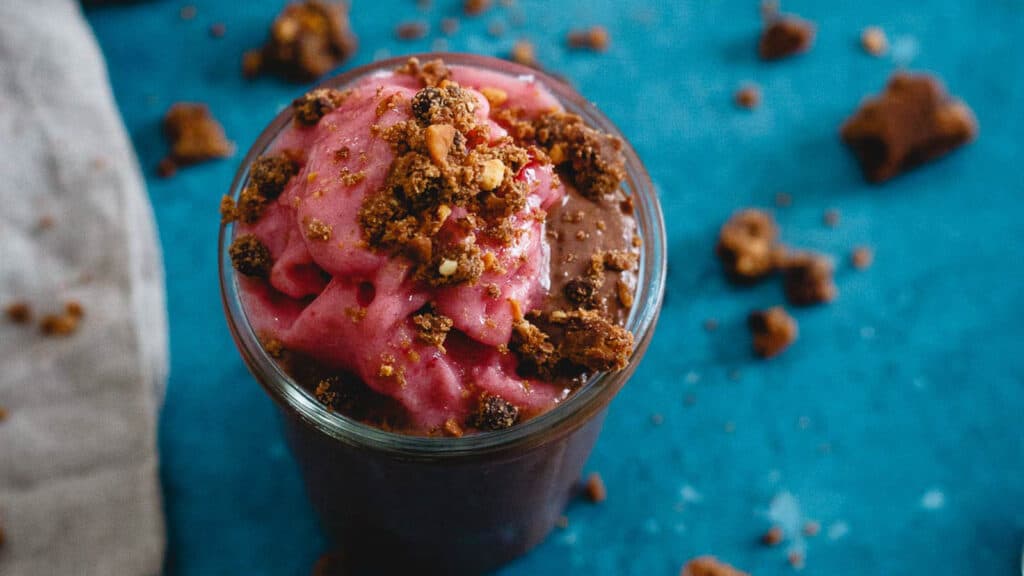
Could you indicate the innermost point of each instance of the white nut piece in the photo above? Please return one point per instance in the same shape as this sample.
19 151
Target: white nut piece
448 267
492 174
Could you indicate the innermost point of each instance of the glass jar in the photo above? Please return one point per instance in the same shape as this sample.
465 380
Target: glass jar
441 504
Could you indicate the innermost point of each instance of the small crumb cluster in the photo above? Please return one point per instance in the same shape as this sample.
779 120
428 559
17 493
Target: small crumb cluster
306 40
784 36
194 136
63 323
709 566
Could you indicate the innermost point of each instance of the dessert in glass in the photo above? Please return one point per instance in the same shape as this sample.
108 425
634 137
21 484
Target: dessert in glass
442 269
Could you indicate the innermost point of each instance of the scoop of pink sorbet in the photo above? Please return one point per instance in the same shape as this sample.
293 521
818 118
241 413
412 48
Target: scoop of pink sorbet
350 308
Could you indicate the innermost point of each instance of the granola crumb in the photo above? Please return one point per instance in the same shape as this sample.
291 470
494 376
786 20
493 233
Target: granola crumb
306 40
228 210
912 122
58 324
831 218
19 312
874 41
807 279
595 488
250 257
411 31
773 537
318 230
494 413
194 136
452 428
309 108
773 331
862 257
524 53
747 244
785 36
593 159
475 7
748 97
709 566
625 294
594 38
432 328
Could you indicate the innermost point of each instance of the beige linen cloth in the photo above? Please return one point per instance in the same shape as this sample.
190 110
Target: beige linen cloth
79 489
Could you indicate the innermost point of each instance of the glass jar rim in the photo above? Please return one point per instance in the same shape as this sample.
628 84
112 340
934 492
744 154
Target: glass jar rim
564 417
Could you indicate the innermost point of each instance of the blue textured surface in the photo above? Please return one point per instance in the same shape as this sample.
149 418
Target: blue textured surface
895 421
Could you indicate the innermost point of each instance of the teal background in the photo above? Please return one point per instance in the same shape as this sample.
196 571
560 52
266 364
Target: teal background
895 420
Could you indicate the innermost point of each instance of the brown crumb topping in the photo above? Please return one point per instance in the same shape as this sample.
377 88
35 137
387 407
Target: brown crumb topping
748 97
874 41
318 230
594 38
194 136
595 489
912 122
306 40
592 159
430 73
747 245
452 428
807 279
411 31
785 36
773 537
709 566
570 344
524 53
475 7
309 108
228 209
432 328
250 257
773 331
268 177
59 324
494 413
862 257
19 312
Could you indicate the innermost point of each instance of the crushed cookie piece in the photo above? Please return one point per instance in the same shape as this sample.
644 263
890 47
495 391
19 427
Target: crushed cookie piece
356 314
495 96
593 342
773 331
772 537
807 279
595 489
912 122
493 291
250 257
228 210
594 38
584 291
709 566
432 73
748 97
386 371
274 348
524 53
449 26
619 260
74 309
831 217
594 159
625 294
309 108
327 392
785 36
352 178
475 7
411 31
318 230
862 257
58 324
452 428
307 39
494 413
194 136
746 245
19 312
270 174
874 41
432 328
